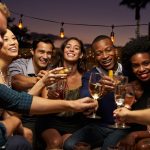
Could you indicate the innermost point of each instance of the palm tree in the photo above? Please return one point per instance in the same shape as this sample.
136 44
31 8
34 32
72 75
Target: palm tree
137 5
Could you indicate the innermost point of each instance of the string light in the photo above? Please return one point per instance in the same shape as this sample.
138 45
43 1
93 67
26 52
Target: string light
62 33
20 24
112 34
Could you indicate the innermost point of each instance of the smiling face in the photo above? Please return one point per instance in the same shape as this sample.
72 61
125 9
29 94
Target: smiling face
141 66
72 51
105 53
42 55
10 45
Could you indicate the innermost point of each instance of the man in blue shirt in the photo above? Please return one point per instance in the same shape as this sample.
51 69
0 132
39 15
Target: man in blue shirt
97 132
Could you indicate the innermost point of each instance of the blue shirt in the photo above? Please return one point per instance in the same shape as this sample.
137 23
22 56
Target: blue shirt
13 101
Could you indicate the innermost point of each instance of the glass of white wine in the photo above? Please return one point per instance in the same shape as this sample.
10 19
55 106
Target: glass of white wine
119 95
95 89
124 96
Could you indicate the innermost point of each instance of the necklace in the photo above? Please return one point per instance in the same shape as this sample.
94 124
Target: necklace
8 83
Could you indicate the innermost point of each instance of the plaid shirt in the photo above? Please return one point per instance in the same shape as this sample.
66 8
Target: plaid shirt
14 101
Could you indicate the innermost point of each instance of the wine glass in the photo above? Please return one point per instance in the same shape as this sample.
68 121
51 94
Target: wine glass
130 96
129 99
124 96
120 79
95 89
119 95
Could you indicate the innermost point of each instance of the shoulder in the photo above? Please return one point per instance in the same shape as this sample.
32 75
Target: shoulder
21 61
90 71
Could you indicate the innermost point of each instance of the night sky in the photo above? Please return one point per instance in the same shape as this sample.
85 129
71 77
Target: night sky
97 12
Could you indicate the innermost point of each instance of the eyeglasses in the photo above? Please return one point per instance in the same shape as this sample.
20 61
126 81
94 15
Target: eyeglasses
107 51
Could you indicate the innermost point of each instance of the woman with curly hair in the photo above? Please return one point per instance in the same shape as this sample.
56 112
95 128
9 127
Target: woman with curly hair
136 64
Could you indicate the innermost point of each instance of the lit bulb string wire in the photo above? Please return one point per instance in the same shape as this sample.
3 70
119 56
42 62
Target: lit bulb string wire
76 24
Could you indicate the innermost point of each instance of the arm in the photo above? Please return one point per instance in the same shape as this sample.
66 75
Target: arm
46 78
44 93
18 70
11 124
45 106
137 116
25 103
22 83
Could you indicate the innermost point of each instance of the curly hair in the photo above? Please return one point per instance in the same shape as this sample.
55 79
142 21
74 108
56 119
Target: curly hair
135 46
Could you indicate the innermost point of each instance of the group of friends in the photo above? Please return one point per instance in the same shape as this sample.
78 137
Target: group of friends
32 113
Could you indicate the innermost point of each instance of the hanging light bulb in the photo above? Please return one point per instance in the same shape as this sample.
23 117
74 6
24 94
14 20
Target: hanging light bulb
62 33
20 24
112 34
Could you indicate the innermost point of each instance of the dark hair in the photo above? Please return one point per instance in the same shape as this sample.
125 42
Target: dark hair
135 46
59 55
99 38
44 40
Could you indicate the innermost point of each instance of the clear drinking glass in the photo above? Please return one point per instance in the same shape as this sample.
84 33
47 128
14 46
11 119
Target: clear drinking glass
58 89
130 96
61 88
124 96
119 95
95 88
120 79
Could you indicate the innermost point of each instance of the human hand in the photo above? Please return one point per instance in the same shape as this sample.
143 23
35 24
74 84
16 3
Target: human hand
51 76
83 104
41 74
121 114
108 84
53 94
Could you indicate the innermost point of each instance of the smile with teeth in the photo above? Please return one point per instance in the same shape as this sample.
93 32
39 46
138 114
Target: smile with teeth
144 75
70 54
13 49
107 61
43 61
